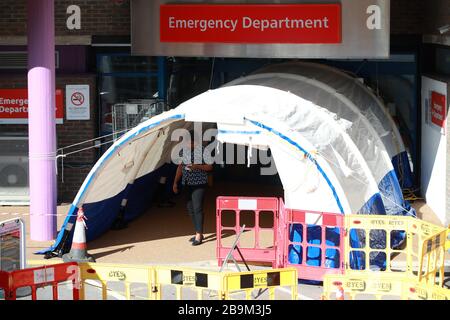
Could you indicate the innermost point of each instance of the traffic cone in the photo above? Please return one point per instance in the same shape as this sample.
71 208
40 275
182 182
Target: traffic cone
340 294
78 251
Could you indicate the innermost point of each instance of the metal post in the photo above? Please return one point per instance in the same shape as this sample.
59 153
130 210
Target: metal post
162 82
41 127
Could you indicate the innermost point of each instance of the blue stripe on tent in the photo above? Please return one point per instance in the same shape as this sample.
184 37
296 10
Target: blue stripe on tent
373 206
308 155
356 259
110 203
238 132
403 170
102 214
393 196
69 218
142 192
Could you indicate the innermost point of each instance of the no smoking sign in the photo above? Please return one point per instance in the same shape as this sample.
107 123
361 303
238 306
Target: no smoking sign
77 102
77 98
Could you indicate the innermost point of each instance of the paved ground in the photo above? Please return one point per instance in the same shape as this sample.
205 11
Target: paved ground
160 237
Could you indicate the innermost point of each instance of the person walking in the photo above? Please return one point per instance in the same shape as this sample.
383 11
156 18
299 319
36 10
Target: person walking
193 172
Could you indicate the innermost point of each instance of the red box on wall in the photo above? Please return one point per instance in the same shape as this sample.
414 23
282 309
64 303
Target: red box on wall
438 109
14 106
252 24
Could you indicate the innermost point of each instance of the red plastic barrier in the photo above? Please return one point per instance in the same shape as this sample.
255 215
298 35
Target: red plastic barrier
258 206
51 275
313 242
4 284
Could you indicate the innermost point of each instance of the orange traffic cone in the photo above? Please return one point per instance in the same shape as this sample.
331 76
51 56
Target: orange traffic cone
78 251
340 294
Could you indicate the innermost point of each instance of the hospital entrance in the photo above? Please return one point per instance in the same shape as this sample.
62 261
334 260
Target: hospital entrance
160 235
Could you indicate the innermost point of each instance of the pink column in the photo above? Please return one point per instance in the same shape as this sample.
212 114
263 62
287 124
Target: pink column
41 127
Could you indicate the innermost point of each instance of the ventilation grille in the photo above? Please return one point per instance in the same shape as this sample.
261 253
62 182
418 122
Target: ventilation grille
19 60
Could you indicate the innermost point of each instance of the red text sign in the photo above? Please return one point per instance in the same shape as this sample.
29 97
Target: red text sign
438 109
290 23
14 106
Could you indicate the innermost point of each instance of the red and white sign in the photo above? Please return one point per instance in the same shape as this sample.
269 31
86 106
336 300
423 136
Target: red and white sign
77 102
438 109
14 106
270 24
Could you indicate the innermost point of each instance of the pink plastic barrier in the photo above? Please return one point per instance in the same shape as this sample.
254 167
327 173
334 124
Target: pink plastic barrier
259 215
313 242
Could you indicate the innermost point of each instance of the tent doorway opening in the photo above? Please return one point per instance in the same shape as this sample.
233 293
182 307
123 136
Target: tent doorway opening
160 235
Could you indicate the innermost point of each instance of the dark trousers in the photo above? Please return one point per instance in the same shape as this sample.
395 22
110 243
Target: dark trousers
194 199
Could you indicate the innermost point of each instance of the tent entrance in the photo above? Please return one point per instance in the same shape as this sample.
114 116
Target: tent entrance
160 234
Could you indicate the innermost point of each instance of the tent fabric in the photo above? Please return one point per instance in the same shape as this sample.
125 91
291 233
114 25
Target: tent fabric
369 103
298 135
332 155
352 121
302 118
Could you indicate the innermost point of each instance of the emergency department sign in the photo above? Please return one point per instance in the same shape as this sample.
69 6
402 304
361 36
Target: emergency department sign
262 29
14 106
319 23
77 102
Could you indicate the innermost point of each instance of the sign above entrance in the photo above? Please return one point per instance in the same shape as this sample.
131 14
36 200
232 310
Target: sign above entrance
262 29
297 23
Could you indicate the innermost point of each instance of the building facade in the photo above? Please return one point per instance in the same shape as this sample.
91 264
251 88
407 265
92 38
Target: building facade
93 48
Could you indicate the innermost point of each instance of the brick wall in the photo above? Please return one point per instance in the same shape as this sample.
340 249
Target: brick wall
437 14
407 16
98 17
77 166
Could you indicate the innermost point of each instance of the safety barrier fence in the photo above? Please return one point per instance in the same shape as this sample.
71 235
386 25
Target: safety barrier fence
256 282
415 290
4 284
432 260
260 217
383 239
313 243
44 277
364 286
427 283
178 283
114 278
319 243
381 286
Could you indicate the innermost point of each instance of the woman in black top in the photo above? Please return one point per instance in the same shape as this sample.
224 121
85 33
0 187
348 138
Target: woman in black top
193 173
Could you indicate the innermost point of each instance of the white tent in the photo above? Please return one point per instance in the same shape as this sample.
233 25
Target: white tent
314 143
369 104
359 129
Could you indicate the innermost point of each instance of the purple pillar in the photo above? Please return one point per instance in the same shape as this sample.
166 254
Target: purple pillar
41 122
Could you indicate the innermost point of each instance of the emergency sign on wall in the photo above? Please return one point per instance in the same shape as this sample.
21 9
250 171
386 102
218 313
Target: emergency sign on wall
14 106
